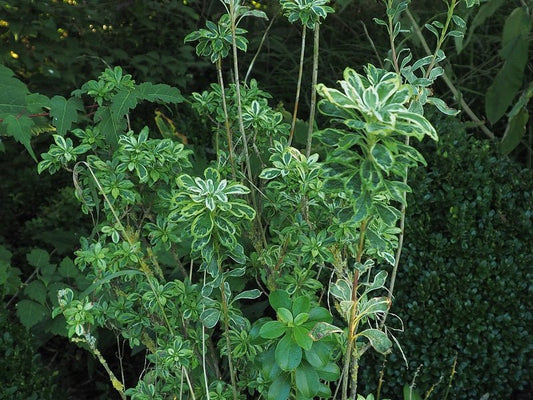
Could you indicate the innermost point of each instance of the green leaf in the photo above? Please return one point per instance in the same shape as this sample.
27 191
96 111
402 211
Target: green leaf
280 388
280 298
516 128
284 315
307 380
123 102
36 291
110 124
272 330
12 93
508 81
323 329
30 313
20 128
202 225
160 92
410 394
64 112
302 338
382 156
288 354
38 258
301 305
319 355
248 294
378 340
330 372
210 317
270 173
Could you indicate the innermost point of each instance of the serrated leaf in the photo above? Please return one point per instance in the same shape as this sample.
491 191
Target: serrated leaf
30 313
110 124
36 291
20 128
158 93
123 102
36 102
12 93
38 258
64 112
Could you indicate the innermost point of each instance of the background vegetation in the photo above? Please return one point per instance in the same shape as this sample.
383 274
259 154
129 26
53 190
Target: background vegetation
464 287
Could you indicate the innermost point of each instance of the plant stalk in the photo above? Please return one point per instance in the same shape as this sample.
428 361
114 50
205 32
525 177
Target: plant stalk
314 82
298 85
226 117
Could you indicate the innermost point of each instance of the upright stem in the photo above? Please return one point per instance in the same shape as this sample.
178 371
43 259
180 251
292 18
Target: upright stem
314 81
351 350
443 33
226 117
228 342
298 85
239 111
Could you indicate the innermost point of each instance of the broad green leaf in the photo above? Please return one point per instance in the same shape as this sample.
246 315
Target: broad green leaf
302 338
516 128
378 340
323 329
108 278
160 92
270 173
36 291
30 313
12 93
202 225
36 102
307 380
64 112
279 298
383 157
288 353
67 269
280 388
20 128
210 317
514 51
330 372
272 330
319 355
112 126
38 258
301 305
123 102
284 315
248 295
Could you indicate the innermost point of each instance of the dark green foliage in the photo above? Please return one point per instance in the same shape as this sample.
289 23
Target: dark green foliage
23 375
464 285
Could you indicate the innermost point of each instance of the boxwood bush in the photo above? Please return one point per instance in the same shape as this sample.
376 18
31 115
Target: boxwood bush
465 282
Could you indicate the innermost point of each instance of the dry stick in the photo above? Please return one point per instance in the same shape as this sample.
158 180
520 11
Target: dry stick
258 50
298 85
449 83
316 45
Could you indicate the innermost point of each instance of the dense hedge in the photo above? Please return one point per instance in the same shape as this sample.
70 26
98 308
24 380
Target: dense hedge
465 284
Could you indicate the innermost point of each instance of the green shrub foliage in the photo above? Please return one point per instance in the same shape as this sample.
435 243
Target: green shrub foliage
23 375
465 280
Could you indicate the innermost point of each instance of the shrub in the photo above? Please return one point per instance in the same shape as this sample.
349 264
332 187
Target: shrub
23 375
465 277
